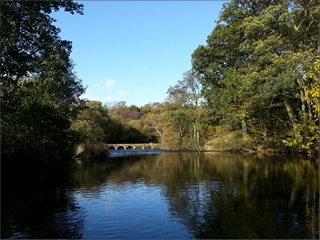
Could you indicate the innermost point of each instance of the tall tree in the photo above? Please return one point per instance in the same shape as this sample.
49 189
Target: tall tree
254 63
93 123
30 44
185 113
186 93
39 91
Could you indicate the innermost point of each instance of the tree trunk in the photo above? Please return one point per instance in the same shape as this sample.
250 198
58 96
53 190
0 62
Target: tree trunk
244 127
303 103
291 114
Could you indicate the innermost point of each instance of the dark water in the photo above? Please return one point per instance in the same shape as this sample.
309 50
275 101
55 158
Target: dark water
171 195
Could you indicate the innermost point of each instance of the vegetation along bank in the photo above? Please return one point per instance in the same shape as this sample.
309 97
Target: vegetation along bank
253 86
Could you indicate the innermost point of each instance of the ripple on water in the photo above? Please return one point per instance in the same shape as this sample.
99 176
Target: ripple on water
137 211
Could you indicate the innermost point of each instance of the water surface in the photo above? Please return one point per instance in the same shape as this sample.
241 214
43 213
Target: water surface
171 195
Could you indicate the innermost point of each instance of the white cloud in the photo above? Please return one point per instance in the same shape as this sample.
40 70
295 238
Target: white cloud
109 83
88 95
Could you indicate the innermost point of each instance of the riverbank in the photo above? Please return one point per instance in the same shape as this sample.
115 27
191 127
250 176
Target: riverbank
237 141
231 142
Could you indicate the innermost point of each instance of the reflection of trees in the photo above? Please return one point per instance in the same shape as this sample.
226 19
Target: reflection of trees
213 195
31 209
38 210
87 174
234 196
252 199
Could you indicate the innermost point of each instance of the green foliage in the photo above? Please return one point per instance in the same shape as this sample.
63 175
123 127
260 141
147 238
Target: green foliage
185 121
232 141
186 93
35 129
252 85
304 137
177 129
39 92
311 86
127 124
153 124
97 125
90 151
92 123
121 109
253 67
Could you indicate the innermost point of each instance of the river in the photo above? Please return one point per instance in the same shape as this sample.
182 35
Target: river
171 195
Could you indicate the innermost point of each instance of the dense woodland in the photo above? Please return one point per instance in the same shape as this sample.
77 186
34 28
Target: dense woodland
253 86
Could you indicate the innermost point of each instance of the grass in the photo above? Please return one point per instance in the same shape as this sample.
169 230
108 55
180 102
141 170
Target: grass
89 150
231 141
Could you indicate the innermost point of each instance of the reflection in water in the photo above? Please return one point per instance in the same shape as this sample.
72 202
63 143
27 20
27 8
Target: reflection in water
173 195
40 211
246 197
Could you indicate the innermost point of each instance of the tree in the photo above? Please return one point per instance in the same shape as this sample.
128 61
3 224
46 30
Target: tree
39 91
149 106
127 124
253 66
185 97
30 43
186 93
177 129
93 123
311 86
121 109
153 123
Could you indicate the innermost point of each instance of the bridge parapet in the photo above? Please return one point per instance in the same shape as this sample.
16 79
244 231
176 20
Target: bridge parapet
127 146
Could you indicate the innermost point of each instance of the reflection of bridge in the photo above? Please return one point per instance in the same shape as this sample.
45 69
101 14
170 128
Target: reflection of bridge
127 146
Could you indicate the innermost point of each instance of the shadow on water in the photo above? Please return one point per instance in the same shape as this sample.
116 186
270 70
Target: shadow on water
247 197
214 195
39 206
235 196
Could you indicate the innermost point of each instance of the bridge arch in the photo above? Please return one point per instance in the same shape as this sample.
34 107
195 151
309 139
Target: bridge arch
132 146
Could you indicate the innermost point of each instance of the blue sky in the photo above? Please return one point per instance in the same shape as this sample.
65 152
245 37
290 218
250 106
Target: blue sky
133 51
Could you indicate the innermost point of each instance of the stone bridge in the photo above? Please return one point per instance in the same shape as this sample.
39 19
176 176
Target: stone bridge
127 146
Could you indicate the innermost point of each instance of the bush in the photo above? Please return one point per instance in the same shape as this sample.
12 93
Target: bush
232 141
